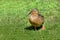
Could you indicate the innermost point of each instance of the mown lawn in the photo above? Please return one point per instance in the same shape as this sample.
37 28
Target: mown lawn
14 19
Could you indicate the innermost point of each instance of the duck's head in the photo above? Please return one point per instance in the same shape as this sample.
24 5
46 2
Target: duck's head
34 11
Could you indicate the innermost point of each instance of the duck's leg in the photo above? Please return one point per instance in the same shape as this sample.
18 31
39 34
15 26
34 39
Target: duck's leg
34 27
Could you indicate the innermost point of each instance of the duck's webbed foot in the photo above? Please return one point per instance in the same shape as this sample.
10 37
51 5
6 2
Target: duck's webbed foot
43 27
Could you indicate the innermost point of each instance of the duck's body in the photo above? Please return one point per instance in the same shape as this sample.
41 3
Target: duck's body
36 19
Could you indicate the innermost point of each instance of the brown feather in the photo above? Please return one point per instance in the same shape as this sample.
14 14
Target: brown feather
36 19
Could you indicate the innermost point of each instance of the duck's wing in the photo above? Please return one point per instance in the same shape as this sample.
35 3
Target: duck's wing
40 15
41 18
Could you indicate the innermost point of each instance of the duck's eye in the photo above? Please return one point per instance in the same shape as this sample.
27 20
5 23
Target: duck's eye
35 11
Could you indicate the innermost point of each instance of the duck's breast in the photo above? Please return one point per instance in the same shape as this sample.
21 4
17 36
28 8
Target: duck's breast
33 18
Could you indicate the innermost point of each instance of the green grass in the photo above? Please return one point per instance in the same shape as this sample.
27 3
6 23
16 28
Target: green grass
13 19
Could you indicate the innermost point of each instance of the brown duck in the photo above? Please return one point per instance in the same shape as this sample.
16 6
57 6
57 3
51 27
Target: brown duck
36 19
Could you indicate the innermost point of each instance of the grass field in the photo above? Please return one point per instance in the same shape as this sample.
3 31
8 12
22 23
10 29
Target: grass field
14 19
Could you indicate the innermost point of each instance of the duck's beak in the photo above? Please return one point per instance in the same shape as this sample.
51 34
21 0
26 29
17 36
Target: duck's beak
28 14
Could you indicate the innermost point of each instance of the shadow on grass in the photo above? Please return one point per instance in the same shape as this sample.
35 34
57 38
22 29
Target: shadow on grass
32 28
